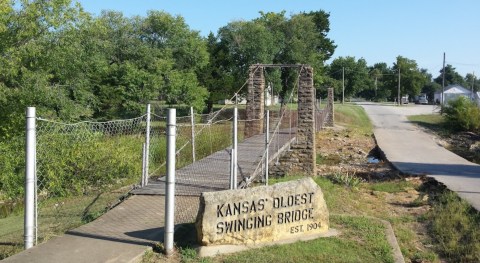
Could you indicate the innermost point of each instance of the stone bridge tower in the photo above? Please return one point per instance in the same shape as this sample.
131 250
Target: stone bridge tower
302 156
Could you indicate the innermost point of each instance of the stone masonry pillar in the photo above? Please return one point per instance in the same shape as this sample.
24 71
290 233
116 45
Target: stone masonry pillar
330 120
255 102
304 149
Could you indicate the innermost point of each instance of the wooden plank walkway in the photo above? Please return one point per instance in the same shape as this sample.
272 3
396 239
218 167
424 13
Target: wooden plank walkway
212 173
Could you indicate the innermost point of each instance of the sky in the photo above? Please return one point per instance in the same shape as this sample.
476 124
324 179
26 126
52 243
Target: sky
376 30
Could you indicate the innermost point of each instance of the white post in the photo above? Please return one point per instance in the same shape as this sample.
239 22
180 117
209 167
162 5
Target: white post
144 176
231 168
30 177
170 184
290 127
267 138
235 147
146 152
192 121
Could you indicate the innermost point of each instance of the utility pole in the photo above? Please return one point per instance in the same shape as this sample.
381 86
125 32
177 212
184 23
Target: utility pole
343 85
443 79
399 99
375 86
473 85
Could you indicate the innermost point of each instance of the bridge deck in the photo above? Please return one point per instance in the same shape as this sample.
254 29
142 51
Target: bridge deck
212 173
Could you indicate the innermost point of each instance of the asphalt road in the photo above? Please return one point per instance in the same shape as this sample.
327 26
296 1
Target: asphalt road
413 151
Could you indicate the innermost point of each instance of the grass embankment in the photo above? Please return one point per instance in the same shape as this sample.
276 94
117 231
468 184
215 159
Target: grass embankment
353 117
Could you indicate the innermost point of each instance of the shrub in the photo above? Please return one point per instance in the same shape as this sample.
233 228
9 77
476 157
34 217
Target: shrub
461 114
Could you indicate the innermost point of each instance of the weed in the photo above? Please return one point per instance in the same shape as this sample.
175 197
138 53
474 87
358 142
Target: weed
346 179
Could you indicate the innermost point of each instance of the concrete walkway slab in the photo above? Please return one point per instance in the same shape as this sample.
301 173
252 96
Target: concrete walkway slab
121 235
413 151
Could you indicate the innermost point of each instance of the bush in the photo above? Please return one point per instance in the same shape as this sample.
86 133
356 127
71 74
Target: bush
461 114
67 166
12 168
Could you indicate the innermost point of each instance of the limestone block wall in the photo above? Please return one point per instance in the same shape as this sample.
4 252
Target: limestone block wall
301 158
255 104
329 122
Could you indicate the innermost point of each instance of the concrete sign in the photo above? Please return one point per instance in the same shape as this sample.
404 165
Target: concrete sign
262 214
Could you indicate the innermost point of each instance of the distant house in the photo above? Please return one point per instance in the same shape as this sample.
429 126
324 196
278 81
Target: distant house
452 92
229 102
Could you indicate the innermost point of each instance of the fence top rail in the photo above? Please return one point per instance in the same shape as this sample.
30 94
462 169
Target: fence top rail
90 122
280 65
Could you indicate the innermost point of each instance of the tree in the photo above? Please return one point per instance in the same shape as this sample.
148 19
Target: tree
74 66
471 79
357 80
412 79
451 77
271 38
380 74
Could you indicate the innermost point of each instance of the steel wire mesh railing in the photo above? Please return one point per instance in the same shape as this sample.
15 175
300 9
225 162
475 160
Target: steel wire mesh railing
82 169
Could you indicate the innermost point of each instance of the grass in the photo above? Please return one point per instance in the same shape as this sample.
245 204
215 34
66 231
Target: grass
362 240
353 117
391 186
434 122
455 225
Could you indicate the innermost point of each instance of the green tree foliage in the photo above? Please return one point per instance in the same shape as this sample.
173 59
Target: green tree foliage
74 66
412 78
471 80
451 76
357 79
271 38
380 74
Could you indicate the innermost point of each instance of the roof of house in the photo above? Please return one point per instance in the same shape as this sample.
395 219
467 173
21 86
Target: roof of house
455 89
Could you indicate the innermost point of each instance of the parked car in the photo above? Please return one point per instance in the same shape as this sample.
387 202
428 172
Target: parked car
421 99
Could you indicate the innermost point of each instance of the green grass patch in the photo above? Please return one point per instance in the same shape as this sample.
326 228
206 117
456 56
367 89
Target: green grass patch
362 240
391 186
353 117
434 122
455 225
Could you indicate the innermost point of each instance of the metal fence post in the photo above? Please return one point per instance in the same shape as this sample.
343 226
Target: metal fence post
290 126
192 121
235 147
144 176
267 138
146 149
30 177
170 183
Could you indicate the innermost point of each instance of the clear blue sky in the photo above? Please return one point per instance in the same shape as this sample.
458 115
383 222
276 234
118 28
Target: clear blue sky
377 30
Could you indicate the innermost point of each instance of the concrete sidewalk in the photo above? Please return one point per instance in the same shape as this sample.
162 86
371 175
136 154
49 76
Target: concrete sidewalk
121 235
413 151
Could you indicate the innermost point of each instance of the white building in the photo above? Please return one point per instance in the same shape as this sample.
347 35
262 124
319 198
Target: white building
452 92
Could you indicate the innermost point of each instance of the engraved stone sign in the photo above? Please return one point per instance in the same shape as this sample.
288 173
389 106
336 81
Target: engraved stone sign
262 214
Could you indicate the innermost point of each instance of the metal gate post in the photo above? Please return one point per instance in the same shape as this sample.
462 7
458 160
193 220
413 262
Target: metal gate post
30 177
170 183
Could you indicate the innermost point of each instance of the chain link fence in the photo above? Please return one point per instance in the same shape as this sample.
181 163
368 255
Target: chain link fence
82 170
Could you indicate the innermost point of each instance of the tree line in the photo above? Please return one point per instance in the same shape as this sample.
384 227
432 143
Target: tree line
380 81
73 65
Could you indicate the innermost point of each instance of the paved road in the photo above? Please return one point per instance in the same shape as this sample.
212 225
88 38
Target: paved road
415 152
